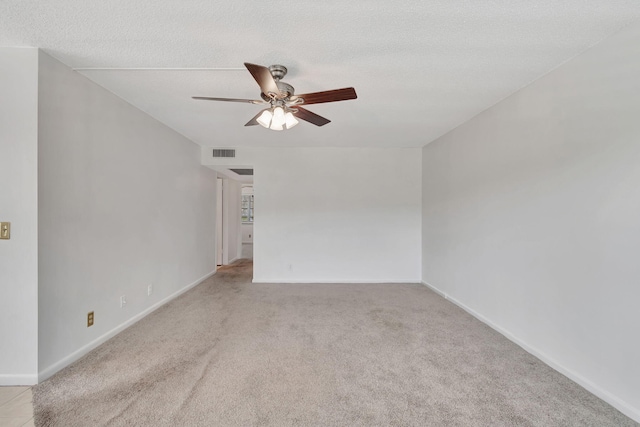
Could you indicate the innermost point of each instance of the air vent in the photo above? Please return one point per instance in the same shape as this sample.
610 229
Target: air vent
242 171
220 152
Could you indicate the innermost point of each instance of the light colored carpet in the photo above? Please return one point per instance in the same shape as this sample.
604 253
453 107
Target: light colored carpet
232 353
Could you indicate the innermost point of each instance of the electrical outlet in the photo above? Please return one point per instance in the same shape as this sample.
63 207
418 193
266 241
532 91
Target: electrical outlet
123 301
90 319
150 289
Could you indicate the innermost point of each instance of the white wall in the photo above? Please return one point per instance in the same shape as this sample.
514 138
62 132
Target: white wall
334 214
247 233
19 205
124 203
531 218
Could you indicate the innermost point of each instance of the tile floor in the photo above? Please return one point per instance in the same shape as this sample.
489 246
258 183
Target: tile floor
16 408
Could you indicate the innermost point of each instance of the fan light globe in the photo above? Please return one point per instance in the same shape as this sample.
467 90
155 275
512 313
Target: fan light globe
265 118
278 119
289 120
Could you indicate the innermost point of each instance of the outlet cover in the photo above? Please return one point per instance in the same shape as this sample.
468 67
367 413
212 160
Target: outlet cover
149 290
90 319
123 301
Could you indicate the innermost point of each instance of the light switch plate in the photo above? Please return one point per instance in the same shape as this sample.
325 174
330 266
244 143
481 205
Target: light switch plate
5 230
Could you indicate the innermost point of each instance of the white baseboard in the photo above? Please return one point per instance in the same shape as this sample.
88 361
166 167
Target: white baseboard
66 361
622 406
16 380
305 281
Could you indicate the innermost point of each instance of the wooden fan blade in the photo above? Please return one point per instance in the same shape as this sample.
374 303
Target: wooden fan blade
264 78
310 117
254 121
250 101
327 96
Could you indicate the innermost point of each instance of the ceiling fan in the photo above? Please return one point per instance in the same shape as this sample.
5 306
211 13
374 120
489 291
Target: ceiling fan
284 104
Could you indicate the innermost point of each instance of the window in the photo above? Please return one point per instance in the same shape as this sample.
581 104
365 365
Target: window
247 208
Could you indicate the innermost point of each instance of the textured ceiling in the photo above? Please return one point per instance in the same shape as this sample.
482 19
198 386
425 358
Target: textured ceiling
420 68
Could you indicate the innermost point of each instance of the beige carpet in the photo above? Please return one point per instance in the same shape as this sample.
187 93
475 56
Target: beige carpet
232 353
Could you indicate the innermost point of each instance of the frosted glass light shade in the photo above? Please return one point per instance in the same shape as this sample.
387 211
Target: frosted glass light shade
289 120
278 119
265 119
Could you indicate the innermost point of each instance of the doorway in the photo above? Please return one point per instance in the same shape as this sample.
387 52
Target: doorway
234 215
247 221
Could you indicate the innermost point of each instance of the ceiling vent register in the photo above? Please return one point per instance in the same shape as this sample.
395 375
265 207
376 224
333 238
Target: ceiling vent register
219 152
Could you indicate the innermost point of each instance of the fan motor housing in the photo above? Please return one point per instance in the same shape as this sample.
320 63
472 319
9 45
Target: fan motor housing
285 88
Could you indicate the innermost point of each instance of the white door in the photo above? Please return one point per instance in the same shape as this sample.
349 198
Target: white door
219 210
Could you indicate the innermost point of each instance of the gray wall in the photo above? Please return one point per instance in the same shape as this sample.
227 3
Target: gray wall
19 205
531 218
123 203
